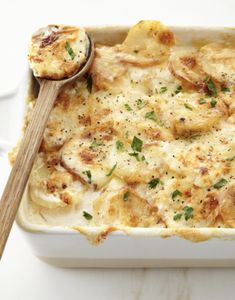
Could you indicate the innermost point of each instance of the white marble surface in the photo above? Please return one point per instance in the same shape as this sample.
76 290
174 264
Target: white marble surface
22 276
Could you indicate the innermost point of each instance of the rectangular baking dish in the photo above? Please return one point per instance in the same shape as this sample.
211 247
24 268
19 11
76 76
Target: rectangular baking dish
133 247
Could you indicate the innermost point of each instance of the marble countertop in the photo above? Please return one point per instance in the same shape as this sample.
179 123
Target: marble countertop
23 276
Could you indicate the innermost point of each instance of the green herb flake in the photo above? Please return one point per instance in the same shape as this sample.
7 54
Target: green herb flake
151 116
202 101
126 196
87 216
136 144
111 171
178 89
211 87
230 158
127 107
96 144
140 103
188 212
163 89
119 145
89 83
175 194
142 157
154 182
137 156
219 184
188 106
213 103
177 217
225 89
70 50
88 174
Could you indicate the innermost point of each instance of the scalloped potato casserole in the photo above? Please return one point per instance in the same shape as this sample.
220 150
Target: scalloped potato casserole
147 139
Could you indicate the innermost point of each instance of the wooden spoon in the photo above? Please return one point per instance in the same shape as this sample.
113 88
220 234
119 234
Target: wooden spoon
29 147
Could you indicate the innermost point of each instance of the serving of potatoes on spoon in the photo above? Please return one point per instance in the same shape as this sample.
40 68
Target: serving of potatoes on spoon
57 52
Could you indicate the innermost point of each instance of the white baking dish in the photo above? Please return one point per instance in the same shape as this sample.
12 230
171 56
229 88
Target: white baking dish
135 247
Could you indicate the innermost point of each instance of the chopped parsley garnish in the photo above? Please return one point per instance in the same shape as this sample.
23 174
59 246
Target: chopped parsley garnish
213 103
177 217
175 194
95 144
188 106
230 158
225 89
127 107
188 212
137 156
136 144
154 182
163 89
178 89
119 145
88 174
111 171
219 184
202 101
70 50
126 196
211 87
140 103
87 216
151 116
89 83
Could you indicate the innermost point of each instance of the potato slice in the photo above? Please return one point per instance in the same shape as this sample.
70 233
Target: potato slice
53 188
106 67
78 158
183 64
190 123
218 61
70 114
227 204
124 207
149 39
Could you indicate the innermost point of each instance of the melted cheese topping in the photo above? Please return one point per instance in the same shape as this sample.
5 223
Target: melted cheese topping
148 139
58 51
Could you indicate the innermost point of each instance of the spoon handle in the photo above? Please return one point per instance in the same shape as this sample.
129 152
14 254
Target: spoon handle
28 150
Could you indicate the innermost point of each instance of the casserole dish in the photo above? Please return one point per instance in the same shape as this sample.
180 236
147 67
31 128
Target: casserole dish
132 246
